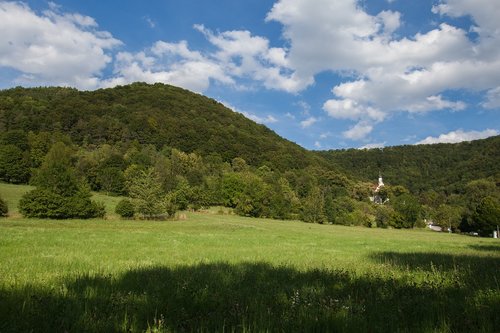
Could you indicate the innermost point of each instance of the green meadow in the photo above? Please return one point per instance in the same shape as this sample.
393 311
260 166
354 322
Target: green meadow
216 272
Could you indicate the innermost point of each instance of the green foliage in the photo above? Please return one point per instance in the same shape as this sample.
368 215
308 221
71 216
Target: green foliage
14 164
448 216
283 201
149 114
149 198
111 180
337 209
444 168
56 173
486 218
41 142
182 195
313 207
4 209
16 138
408 209
203 154
125 208
232 187
42 203
239 165
253 198
216 273
481 197
385 216
59 193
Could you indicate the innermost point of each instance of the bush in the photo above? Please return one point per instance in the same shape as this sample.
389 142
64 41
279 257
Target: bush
4 209
46 204
125 208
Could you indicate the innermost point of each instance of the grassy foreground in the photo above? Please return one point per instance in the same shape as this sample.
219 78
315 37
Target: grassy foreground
217 273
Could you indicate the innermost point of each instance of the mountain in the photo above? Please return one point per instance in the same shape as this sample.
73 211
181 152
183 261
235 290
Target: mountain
157 114
167 116
440 167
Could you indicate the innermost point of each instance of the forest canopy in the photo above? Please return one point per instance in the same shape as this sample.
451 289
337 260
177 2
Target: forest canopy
169 149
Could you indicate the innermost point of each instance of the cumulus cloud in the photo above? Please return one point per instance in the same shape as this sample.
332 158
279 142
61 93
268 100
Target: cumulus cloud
358 131
239 56
493 99
269 119
308 122
172 63
53 48
60 48
351 109
459 136
374 145
390 73
249 56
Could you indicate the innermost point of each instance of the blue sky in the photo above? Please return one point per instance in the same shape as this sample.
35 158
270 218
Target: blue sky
326 74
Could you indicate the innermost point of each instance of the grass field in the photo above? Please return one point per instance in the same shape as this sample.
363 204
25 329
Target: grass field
218 273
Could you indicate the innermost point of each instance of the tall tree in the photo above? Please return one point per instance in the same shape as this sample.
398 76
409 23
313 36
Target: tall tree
59 193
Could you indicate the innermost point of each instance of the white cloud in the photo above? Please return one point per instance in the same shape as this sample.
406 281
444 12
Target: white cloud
181 49
325 135
390 20
388 73
238 56
248 56
436 103
51 48
306 108
67 49
350 109
172 63
484 12
373 145
358 131
493 99
150 22
317 144
459 136
308 122
269 119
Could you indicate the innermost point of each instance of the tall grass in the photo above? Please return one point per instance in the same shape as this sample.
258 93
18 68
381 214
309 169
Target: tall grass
217 273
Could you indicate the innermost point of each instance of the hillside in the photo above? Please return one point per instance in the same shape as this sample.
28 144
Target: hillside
169 144
440 167
157 114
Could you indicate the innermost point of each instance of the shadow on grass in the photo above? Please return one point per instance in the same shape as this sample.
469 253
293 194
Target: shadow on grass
490 248
245 297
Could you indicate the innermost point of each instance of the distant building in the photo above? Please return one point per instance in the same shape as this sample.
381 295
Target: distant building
377 198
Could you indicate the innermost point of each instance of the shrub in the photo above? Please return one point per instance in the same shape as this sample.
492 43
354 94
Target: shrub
4 209
125 208
46 204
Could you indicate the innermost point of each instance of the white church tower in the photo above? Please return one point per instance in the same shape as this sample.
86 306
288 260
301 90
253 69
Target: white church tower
380 182
376 198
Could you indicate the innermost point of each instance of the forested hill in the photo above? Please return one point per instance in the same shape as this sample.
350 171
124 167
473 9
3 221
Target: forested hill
157 114
439 167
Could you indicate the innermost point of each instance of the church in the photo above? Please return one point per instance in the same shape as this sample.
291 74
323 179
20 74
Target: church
377 197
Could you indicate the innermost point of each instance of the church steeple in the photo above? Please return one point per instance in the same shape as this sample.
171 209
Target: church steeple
380 180
377 198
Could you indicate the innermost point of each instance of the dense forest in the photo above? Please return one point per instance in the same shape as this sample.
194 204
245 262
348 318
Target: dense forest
160 115
166 149
444 168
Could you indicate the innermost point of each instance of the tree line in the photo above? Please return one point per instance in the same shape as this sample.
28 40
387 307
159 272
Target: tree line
159 182
149 144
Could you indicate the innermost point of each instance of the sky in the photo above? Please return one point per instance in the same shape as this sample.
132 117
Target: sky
325 74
